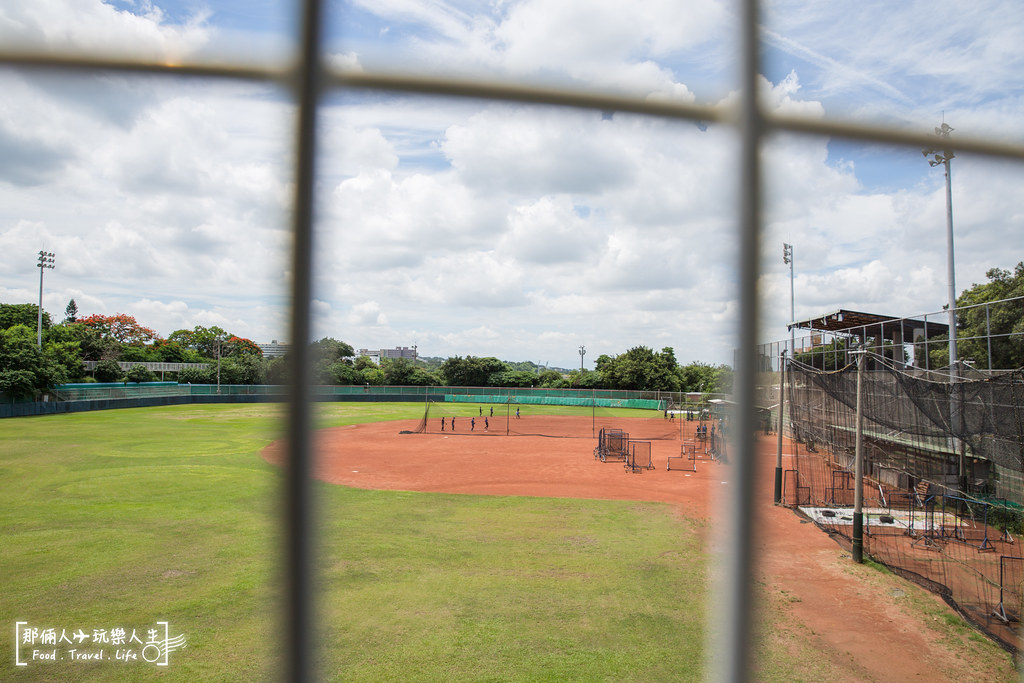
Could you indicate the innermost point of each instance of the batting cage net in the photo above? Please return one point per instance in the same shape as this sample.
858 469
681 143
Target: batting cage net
497 415
422 426
943 495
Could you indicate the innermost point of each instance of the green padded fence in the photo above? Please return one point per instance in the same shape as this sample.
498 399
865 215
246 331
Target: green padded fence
95 395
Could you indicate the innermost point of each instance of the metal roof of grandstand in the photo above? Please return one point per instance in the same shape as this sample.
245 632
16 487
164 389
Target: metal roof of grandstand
860 324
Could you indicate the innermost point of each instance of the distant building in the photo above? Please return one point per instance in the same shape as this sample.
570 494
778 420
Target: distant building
274 349
398 352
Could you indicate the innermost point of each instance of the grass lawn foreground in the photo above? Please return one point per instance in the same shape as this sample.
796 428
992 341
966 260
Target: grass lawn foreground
126 518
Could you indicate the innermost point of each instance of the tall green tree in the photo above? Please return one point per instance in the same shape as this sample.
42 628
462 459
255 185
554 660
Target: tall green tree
68 355
698 376
551 379
241 369
331 350
471 371
640 369
108 371
168 351
139 373
397 371
998 325
25 369
211 342
139 353
403 372
94 345
328 354
583 379
513 378
197 375
343 373
22 314
374 376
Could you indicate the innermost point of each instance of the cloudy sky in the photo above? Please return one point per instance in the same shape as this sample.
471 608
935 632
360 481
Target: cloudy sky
474 228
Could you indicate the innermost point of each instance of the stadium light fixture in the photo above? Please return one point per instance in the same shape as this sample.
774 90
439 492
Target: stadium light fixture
46 260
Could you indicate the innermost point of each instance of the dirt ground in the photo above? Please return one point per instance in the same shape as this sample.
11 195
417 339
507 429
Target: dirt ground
852 616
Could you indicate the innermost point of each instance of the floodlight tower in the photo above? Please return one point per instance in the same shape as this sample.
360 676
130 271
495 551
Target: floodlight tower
942 157
46 259
787 257
583 352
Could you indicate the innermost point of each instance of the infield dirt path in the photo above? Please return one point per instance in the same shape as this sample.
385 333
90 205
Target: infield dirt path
849 615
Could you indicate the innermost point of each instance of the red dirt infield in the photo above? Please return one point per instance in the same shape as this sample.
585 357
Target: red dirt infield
850 615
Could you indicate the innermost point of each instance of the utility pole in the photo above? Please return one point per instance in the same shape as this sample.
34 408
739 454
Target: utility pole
858 466
46 259
782 410
219 339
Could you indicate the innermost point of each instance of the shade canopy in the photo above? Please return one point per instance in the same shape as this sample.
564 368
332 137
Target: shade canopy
858 324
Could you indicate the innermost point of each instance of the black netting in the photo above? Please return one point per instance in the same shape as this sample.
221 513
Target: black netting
943 493
917 424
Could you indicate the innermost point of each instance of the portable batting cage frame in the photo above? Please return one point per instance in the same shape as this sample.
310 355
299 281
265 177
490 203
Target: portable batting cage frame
1011 597
613 444
639 457
686 460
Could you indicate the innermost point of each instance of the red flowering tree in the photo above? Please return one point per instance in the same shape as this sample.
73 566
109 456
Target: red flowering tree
240 346
121 327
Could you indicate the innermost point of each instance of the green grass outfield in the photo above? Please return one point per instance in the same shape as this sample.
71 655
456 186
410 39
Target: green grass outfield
125 518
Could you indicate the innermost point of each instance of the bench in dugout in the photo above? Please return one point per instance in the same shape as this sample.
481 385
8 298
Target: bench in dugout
612 444
639 457
686 460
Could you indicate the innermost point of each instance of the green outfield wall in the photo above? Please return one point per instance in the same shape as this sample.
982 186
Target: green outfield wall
71 398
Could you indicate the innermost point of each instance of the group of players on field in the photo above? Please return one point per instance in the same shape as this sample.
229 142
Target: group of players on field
450 421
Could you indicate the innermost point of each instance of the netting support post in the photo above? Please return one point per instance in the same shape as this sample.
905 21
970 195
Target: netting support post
858 469
778 448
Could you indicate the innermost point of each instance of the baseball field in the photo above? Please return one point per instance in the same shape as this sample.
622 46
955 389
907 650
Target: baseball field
454 556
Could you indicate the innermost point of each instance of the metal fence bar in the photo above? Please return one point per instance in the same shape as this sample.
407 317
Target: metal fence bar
828 126
299 504
731 659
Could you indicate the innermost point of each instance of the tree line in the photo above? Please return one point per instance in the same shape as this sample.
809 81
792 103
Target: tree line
26 370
